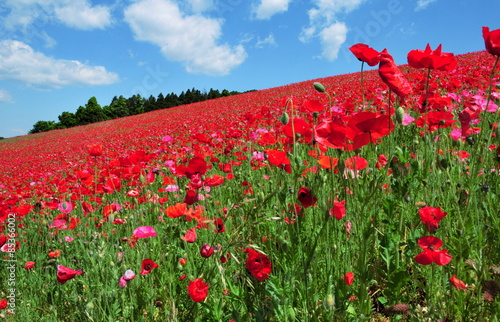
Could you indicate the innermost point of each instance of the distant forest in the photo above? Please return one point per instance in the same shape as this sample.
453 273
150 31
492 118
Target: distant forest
92 112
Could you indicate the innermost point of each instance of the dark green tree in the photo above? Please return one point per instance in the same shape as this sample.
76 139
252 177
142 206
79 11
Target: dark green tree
91 113
43 126
118 108
136 104
67 119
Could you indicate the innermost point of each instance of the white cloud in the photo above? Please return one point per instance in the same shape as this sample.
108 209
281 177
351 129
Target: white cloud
28 15
201 5
268 8
19 131
189 39
18 61
422 4
5 96
331 39
80 15
269 40
324 24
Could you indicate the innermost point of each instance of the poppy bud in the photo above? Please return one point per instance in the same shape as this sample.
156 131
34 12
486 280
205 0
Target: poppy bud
319 87
400 114
284 118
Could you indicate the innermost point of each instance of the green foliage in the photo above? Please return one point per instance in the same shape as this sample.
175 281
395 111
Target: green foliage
43 126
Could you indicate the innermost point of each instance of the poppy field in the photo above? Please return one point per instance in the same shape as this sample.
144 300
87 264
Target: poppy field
371 196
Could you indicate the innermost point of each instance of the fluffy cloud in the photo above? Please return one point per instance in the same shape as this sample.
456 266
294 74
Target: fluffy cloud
189 39
79 14
422 4
332 38
324 24
268 8
18 61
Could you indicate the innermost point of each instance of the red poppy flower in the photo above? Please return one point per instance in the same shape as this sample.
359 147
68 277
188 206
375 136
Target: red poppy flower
267 139
94 150
64 274
279 159
219 225
366 127
206 251
492 40
458 284
306 198
198 290
430 217
177 210
382 161
133 193
29 265
258 264
190 236
431 254
300 126
432 59
214 181
191 197
331 133
436 120
338 210
328 162
55 253
348 278
392 76
3 304
356 163
314 106
365 54
147 266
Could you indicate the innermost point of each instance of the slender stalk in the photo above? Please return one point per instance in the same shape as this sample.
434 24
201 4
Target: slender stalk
490 88
362 84
426 95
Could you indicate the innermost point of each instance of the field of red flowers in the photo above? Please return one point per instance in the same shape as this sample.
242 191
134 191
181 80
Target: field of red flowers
367 196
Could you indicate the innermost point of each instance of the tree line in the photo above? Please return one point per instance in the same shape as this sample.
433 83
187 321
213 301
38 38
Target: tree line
120 107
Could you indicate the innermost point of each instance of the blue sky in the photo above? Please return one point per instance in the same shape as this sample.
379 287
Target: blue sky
56 54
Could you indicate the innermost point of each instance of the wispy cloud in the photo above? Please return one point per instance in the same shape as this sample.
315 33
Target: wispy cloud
5 96
422 4
80 14
189 39
268 41
18 61
324 24
29 14
268 8
198 6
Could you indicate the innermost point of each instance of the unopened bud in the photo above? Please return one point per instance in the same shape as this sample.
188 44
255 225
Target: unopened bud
400 114
284 118
319 87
